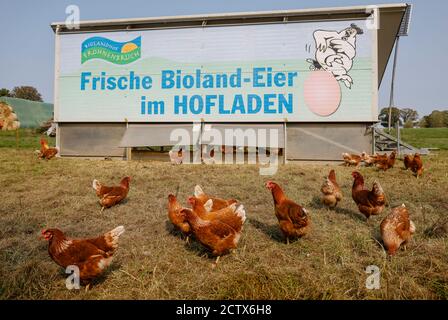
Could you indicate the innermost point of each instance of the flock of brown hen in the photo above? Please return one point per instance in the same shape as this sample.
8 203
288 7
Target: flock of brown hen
396 228
91 256
384 161
217 223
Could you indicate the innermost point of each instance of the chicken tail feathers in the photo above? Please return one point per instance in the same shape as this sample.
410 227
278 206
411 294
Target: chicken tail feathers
198 191
377 189
412 227
118 231
208 205
241 212
96 184
304 213
113 235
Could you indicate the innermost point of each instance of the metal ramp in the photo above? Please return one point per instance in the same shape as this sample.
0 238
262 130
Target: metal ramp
387 142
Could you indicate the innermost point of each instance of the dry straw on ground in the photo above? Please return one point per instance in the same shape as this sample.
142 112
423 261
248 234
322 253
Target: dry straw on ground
154 263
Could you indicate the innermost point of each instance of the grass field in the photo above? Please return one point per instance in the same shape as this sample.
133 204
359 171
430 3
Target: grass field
154 263
426 137
25 139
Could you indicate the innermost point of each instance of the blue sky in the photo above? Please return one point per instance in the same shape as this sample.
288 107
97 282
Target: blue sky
27 41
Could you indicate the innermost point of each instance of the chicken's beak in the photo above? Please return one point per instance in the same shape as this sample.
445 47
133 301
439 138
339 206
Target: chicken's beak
42 235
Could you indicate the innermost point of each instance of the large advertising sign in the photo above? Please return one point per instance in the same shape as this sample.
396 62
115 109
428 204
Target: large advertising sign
310 72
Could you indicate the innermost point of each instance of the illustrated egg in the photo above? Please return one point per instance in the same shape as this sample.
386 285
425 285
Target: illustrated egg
322 93
128 47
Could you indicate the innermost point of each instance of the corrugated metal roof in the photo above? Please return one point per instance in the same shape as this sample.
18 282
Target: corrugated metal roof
225 18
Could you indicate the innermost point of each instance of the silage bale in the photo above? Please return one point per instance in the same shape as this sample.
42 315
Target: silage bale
8 118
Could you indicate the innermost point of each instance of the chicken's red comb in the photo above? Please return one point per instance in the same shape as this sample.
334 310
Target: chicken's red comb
191 199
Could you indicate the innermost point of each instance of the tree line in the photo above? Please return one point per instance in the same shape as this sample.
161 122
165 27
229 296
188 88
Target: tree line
22 92
408 118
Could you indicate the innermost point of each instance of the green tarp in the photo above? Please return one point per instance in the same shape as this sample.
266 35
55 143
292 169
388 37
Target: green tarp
31 114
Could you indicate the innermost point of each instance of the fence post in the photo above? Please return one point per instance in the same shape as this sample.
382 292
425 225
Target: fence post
398 137
17 138
128 149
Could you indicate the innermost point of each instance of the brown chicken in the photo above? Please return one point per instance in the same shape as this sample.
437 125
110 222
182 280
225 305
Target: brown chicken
417 165
396 229
231 215
110 196
351 159
177 218
379 157
391 159
369 202
215 235
408 161
45 151
91 256
331 191
177 157
386 163
208 156
293 219
218 203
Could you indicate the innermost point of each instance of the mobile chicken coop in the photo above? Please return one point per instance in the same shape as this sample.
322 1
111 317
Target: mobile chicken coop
304 82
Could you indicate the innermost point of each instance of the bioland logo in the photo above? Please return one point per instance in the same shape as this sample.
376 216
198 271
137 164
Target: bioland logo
111 51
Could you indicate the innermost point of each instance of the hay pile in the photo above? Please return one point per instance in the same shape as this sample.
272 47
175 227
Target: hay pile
8 119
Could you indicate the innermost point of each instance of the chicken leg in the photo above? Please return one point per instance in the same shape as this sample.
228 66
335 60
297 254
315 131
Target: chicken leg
216 261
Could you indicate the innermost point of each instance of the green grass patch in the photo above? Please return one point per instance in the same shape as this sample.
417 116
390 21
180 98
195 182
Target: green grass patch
425 137
26 139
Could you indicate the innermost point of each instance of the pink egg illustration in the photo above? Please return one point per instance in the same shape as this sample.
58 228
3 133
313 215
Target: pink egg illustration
322 93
